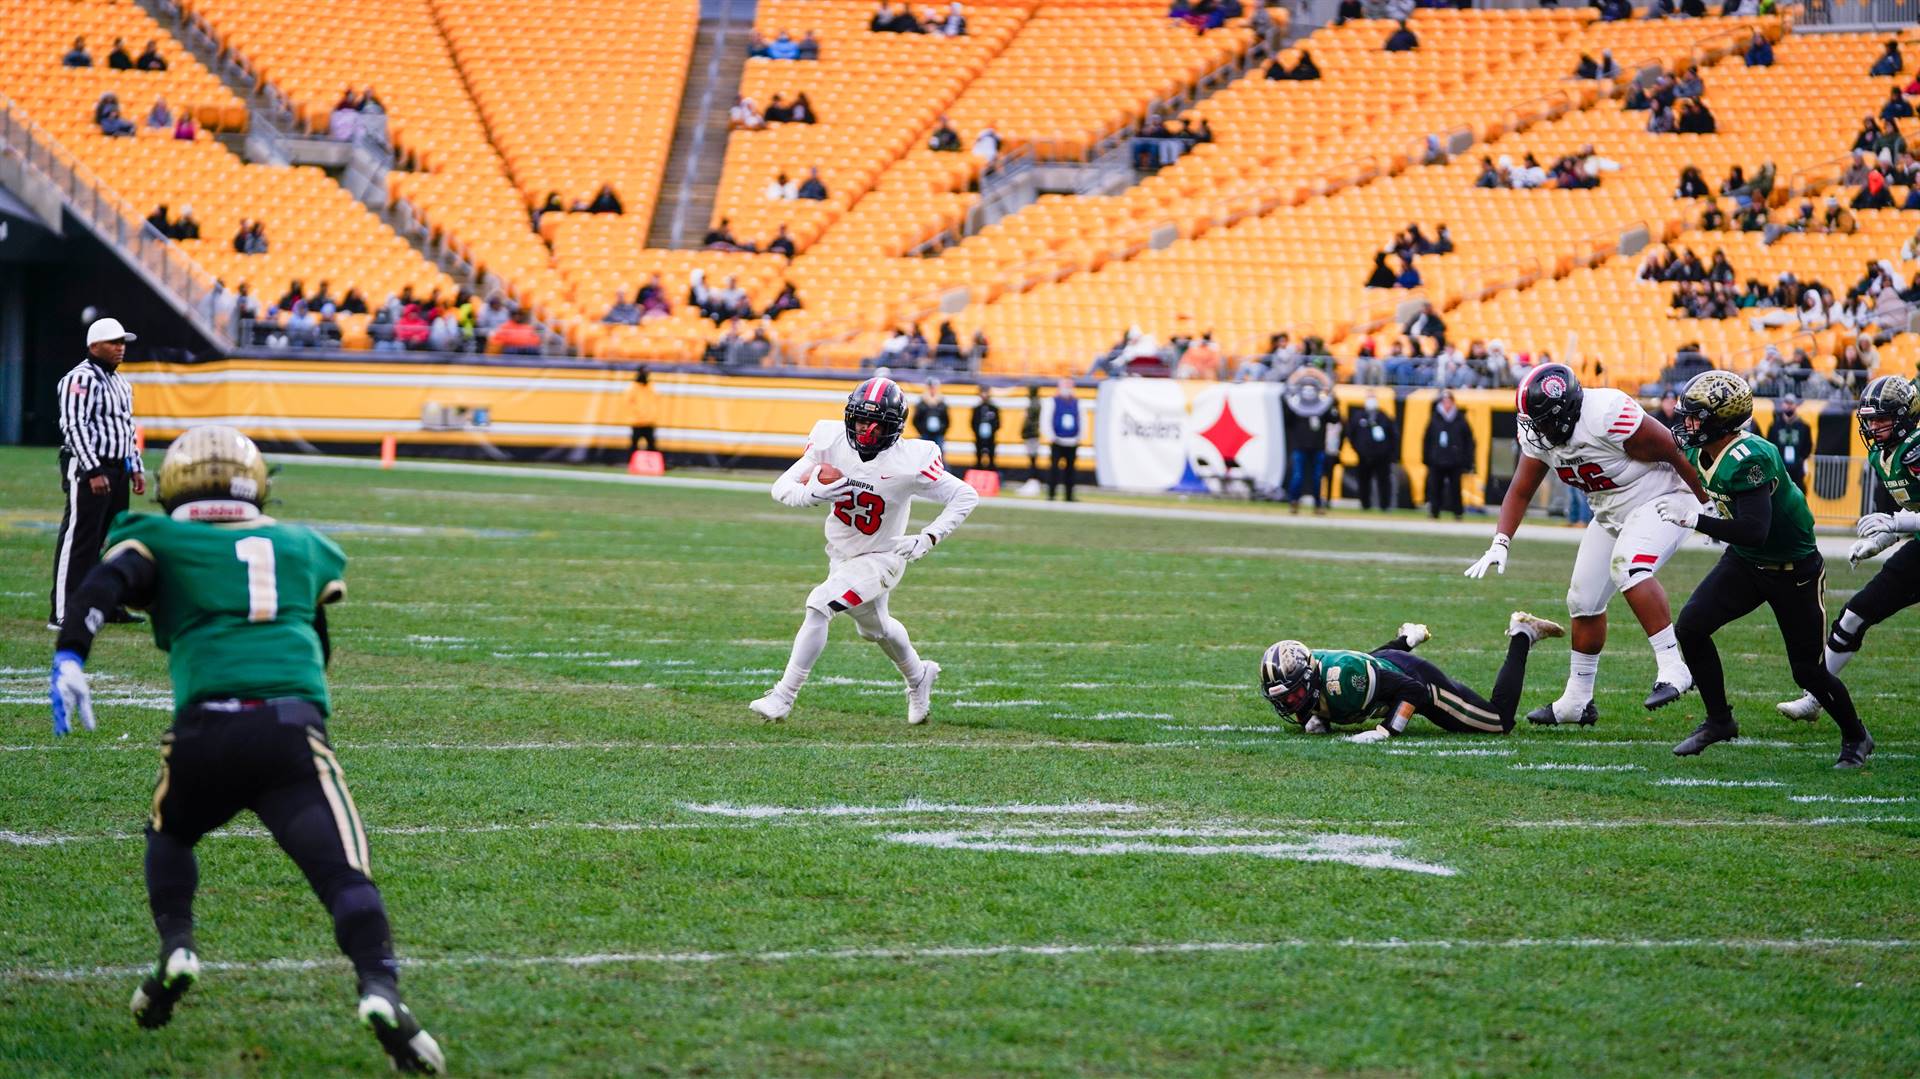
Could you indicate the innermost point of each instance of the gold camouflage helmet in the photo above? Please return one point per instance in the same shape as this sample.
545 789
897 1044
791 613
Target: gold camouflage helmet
1712 404
212 463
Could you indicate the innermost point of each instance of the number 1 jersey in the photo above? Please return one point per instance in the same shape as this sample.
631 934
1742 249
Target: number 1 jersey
1595 459
875 513
233 604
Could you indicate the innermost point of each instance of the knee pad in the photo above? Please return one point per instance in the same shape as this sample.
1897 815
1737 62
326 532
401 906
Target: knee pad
1840 639
1581 605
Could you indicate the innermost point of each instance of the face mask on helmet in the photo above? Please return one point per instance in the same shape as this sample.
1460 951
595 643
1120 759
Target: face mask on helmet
1886 415
1549 409
1289 680
876 414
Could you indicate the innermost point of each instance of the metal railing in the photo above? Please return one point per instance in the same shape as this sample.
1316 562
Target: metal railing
1818 15
154 257
1258 52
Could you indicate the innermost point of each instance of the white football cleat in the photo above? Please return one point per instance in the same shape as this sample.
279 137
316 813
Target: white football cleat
1533 626
1806 709
1415 634
774 706
920 692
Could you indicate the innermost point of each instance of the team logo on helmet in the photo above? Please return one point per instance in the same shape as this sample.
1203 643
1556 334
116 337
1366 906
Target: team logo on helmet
1554 386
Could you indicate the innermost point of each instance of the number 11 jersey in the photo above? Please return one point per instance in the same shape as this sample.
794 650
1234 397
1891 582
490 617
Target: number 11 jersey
1595 459
233 604
874 514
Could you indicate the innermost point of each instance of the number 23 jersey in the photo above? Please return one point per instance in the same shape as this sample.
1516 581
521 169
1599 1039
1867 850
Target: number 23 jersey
874 514
233 604
1595 459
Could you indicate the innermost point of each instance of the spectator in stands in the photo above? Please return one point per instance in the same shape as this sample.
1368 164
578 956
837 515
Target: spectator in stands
296 293
756 45
622 313
1838 219
813 188
186 227
809 46
1720 271
787 300
1736 179
1689 86
353 303
1869 135
413 327
1615 10
888 21
1874 194
778 111
184 129
986 145
1661 121
1448 452
605 201
1404 368
953 23
1897 106
744 117
150 58
119 59
1402 39
802 111
1586 68
946 347
1692 185
780 189
1713 219
161 223
732 301
781 244
1891 143
381 330
254 238
1304 70
516 337
1367 369
1382 275
160 116
1694 118
720 237
1281 360
1759 51
1889 62
370 104
783 47
1427 324
106 114
945 140
78 56
1201 360
1491 175
1409 276
1348 11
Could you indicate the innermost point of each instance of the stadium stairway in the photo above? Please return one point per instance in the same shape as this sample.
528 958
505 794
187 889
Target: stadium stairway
699 149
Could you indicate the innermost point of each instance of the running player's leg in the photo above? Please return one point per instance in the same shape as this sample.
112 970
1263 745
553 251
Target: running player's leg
875 623
1450 705
1645 544
1796 602
1892 590
827 599
1726 593
1588 592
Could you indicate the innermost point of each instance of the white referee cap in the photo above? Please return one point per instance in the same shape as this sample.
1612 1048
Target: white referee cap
107 329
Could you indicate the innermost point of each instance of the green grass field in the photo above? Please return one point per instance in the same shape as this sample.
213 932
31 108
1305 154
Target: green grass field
1100 858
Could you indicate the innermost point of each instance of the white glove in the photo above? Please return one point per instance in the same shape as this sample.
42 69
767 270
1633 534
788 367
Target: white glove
1679 511
1880 524
1495 558
1866 548
1316 725
821 493
915 547
72 697
1367 738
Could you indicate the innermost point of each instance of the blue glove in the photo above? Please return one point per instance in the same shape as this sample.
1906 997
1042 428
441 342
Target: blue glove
72 697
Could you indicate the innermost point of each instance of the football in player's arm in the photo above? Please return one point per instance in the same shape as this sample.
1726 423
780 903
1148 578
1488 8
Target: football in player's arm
238 602
868 476
1889 420
1325 688
1771 558
1601 442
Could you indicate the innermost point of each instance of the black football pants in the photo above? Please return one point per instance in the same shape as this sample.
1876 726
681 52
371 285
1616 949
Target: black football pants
270 757
83 529
1732 589
1455 707
1895 588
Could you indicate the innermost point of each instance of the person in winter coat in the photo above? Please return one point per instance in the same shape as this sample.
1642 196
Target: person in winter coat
1376 443
1448 454
1307 413
930 416
1064 435
986 431
1030 433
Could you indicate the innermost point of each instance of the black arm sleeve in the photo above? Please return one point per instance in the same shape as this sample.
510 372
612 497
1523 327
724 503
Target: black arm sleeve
124 580
320 627
1752 518
1391 690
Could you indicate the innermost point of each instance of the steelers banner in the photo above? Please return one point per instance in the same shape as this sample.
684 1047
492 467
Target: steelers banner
1171 435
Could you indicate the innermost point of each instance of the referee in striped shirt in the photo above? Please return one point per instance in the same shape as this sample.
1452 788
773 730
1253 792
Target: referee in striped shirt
98 462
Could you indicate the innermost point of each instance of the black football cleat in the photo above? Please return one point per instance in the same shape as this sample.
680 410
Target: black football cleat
171 978
1663 694
1855 754
412 1049
1705 735
123 617
1544 716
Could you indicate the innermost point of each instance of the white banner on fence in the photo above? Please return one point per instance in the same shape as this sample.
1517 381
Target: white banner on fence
1159 434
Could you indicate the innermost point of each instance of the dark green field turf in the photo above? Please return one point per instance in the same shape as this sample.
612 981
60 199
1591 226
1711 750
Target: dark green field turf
1099 858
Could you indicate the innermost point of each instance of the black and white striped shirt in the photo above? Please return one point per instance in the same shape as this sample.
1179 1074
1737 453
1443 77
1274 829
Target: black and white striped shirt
96 418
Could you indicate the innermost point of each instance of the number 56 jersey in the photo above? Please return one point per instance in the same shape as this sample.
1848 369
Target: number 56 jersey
1595 459
233 604
875 513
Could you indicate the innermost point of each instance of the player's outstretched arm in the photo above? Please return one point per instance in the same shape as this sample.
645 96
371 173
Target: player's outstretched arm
1527 475
1394 724
800 487
1653 443
126 577
1748 527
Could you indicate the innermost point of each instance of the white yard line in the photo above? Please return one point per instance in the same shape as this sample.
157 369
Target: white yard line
916 953
1554 767
908 807
1681 782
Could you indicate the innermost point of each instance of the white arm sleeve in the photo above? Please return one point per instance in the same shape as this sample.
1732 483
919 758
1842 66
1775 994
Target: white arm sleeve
959 500
791 488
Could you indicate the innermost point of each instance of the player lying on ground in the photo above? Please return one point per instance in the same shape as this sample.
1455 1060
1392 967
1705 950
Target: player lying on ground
869 475
238 601
1888 418
1326 688
1603 443
1771 558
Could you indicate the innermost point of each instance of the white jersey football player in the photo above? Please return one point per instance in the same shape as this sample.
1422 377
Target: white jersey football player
1603 443
872 476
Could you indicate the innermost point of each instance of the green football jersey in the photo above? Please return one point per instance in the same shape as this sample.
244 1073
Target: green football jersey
1347 689
233 604
1748 463
1890 466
